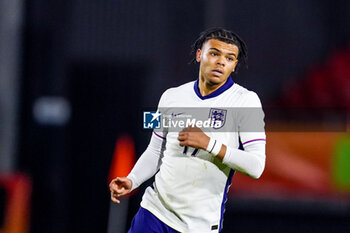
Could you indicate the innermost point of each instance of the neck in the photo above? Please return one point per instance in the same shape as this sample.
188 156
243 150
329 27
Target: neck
206 88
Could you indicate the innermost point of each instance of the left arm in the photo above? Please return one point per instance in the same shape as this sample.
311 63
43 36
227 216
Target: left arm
251 161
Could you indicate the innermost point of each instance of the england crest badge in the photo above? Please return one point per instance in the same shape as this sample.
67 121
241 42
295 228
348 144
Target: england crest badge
217 117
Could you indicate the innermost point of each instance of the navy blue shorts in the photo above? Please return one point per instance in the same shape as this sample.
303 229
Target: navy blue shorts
145 222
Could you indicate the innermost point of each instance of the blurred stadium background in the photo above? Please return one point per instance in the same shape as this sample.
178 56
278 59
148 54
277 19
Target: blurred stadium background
75 76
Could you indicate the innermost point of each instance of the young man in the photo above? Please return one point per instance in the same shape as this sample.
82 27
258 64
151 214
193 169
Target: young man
194 167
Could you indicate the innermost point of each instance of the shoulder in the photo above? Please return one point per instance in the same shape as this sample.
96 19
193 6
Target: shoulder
246 97
180 89
176 92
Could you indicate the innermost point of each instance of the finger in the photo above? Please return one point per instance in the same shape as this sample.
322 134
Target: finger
183 143
113 194
120 190
114 187
115 200
117 195
122 185
114 197
185 130
182 133
112 183
119 180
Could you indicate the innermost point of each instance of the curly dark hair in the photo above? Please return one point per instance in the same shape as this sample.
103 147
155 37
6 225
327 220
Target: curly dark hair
224 36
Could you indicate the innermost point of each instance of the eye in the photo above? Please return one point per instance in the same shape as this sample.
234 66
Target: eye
213 54
229 59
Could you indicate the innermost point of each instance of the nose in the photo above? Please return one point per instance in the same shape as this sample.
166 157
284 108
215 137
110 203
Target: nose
220 61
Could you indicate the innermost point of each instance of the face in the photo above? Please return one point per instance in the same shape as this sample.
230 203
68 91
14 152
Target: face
217 61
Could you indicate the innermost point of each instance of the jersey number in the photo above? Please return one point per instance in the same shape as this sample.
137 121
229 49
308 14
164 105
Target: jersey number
194 153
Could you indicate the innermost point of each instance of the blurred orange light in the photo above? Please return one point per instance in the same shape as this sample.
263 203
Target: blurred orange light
123 158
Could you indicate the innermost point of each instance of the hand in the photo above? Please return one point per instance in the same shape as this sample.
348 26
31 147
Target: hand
193 137
119 187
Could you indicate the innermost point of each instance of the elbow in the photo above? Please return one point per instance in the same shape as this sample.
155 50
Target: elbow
258 171
257 175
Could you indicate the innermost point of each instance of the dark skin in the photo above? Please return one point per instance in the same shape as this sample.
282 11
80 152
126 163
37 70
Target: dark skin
217 61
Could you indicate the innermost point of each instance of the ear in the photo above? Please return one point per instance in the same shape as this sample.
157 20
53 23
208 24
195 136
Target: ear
234 67
198 55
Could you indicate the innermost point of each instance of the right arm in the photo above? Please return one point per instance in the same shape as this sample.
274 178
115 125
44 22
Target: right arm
146 166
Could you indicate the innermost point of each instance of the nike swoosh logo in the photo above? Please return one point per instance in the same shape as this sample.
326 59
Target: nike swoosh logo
176 114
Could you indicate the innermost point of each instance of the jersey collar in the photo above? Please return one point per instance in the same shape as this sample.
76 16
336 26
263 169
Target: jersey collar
217 92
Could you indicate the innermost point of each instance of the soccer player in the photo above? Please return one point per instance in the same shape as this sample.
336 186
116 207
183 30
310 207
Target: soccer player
193 168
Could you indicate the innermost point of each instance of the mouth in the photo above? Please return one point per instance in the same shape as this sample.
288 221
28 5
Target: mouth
217 72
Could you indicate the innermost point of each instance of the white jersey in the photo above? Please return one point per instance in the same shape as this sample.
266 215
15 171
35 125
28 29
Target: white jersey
190 189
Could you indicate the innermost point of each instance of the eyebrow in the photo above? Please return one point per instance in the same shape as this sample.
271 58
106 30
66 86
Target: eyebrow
221 52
